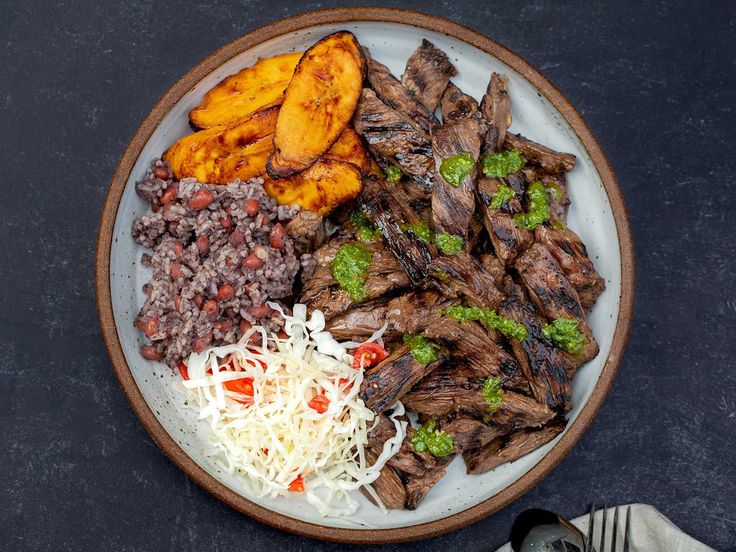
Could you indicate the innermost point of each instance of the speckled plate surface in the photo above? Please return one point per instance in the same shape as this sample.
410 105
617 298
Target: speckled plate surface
539 112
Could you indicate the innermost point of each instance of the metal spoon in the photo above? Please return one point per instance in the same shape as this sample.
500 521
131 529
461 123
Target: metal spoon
544 531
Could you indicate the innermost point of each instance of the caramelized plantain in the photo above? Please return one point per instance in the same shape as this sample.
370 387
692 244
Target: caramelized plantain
318 104
320 188
261 85
349 147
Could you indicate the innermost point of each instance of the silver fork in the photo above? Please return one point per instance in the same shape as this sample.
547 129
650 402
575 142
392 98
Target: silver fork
602 546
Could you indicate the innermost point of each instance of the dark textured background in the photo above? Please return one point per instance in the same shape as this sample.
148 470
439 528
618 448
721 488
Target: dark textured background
656 82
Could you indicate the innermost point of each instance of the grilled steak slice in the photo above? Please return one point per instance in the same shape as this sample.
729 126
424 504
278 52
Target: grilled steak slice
389 487
463 275
540 156
543 365
507 239
390 136
396 95
570 253
387 382
307 230
427 73
322 291
453 206
391 216
518 444
553 294
457 105
493 265
417 486
472 344
557 198
496 109
408 313
469 433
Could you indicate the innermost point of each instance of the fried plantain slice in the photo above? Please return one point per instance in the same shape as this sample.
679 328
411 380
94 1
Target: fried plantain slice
261 85
349 147
318 104
320 188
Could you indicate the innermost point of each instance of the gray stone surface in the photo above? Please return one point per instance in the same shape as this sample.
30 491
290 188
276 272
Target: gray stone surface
656 82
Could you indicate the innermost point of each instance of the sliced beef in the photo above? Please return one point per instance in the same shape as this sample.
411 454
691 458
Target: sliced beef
453 206
417 486
543 365
396 95
389 487
570 253
557 197
496 109
457 105
427 73
392 216
469 433
518 444
408 313
554 295
307 230
508 240
387 382
540 156
322 292
463 276
391 136
493 265
471 344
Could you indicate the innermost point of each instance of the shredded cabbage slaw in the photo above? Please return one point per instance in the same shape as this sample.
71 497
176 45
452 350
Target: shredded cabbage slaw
275 436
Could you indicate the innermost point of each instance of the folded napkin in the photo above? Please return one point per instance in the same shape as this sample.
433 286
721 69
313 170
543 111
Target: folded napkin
650 531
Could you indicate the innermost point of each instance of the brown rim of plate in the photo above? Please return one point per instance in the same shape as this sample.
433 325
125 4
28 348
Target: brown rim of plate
167 443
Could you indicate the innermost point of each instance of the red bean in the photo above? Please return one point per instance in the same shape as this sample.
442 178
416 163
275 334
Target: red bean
201 199
251 207
224 325
176 271
170 193
230 262
161 172
149 353
253 262
203 245
227 222
178 249
245 326
148 327
260 311
225 292
201 343
277 239
237 238
211 308
198 299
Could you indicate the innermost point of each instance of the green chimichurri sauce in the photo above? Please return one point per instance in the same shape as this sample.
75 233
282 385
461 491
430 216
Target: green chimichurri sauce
449 244
492 392
509 328
424 350
430 439
421 230
565 334
349 268
502 164
502 195
393 173
454 169
538 207
362 227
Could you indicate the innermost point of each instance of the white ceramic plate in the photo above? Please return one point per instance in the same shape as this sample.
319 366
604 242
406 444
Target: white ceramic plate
591 216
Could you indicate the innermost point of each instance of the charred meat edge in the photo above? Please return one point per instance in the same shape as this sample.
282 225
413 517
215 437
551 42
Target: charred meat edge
453 206
463 276
427 73
387 382
546 159
495 107
457 105
518 444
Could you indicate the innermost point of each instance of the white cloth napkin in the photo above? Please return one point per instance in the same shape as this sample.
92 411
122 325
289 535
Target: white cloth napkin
650 531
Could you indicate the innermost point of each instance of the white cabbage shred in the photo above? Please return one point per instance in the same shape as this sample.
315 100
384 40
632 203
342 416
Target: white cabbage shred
277 436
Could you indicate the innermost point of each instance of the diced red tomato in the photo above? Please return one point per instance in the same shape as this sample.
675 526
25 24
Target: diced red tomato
344 383
320 403
370 354
264 451
184 371
297 486
243 386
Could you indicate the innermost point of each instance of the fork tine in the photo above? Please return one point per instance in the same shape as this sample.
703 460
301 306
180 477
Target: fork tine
602 547
615 529
591 525
626 530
